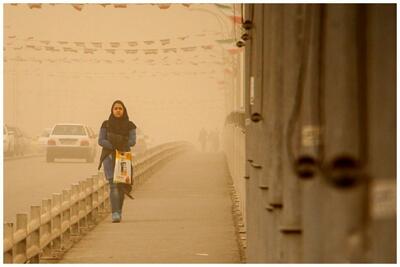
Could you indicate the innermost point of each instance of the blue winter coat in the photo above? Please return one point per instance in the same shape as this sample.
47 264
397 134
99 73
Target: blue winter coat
108 162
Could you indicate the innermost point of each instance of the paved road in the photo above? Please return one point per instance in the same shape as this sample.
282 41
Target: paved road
28 181
182 214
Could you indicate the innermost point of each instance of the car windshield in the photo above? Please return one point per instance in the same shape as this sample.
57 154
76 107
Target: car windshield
69 130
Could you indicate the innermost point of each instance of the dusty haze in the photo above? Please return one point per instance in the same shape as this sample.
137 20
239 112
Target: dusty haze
169 96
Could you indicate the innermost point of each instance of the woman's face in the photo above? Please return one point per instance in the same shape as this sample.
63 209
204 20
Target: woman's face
118 110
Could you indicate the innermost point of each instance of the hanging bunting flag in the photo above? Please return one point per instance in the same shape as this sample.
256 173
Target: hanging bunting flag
89 51
114 44
132 43
131 51
183 37
68 49
29 38
62 42
223 6
165 41
80 44
207 47
225 41
12 37
97 44
188 49
150 51
45 42
30 46
185 5
120 5
104 5
31 6
229 71
49 48
148 42
167 50
234 51
163 6
236 19
111 51
78 7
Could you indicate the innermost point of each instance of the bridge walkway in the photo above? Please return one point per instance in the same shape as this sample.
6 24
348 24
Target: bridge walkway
182 214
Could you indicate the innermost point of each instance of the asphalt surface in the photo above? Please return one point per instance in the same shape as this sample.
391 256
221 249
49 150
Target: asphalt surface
28 180
182 214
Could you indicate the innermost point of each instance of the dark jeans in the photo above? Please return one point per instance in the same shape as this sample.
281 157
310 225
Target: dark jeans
116 197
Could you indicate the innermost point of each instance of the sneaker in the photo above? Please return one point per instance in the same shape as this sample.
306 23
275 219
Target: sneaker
116 217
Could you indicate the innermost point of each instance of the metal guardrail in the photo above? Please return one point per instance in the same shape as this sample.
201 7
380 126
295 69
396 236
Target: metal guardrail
52 228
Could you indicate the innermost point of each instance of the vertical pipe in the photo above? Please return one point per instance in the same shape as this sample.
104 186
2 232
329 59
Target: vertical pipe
381 103
291 226
308 157
344 141
256 70
342 91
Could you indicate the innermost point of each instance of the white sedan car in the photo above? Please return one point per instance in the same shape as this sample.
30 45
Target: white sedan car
69 140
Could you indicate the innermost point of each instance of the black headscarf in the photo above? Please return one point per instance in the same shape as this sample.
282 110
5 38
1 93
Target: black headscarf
117 132
121 125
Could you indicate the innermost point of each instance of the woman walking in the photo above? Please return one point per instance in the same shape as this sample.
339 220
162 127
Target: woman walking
116 133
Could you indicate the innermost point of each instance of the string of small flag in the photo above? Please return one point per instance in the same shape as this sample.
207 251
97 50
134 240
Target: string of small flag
129 47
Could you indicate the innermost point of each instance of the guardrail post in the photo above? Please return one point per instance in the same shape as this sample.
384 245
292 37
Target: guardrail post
20 236
45 229
56 222
82 206
33 240
75 210
66 219
89 201
8 243
95 198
